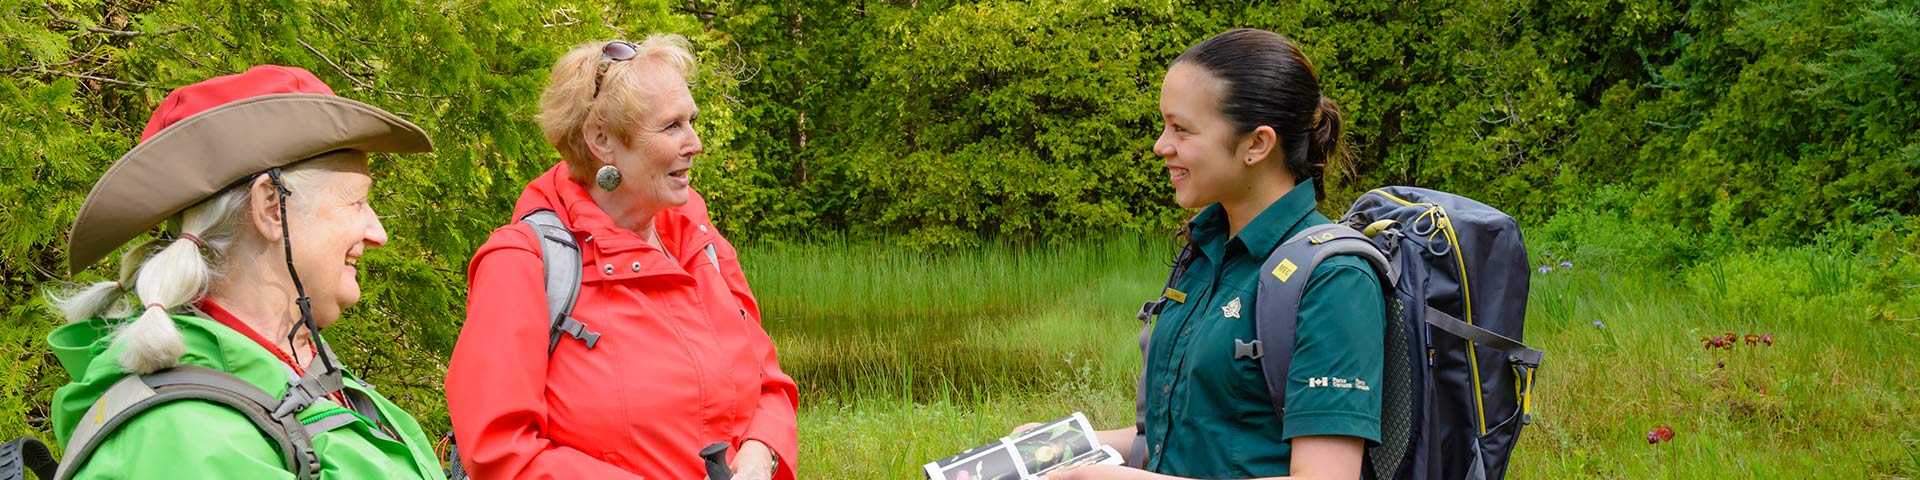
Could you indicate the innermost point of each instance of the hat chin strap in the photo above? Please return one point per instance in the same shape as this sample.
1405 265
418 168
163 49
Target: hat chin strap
316 383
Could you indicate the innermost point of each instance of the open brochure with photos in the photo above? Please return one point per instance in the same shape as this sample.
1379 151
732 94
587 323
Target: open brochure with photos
1057 445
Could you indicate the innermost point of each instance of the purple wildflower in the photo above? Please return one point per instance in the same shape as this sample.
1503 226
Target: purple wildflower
1545 270
1597 324
1566 264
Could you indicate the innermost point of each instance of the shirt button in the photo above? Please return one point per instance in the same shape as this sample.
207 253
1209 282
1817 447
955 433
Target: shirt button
1166 389
636 266
608 269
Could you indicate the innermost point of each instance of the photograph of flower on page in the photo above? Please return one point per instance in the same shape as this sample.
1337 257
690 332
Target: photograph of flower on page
1056 443
995 461
1062 443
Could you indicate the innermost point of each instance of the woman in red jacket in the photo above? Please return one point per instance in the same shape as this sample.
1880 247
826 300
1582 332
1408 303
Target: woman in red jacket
680 361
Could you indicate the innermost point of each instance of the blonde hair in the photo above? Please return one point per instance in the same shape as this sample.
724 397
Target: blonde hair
569 102
167 274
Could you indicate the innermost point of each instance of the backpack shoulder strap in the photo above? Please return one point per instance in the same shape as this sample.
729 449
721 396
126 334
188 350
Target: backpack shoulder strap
560 257
455 470
1180 261
1283 281
1137 457
133 395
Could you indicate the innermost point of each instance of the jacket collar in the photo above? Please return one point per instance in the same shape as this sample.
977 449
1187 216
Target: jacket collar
1260 236
682 229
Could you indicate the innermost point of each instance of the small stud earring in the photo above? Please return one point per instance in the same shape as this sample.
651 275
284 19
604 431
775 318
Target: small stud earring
607 178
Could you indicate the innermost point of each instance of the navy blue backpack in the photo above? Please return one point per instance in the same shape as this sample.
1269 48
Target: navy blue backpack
1457 378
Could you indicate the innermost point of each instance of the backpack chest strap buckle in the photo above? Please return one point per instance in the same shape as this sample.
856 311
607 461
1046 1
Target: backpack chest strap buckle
578 329
1253 350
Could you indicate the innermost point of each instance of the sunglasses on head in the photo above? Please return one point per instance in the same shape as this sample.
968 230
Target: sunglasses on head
615 51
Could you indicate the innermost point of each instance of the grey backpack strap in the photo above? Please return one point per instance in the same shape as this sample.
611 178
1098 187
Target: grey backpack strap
1283 282
560 257
132 395
1137 456
712 257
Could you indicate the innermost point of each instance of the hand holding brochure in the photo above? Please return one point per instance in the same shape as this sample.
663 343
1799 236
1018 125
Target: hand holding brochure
1057 445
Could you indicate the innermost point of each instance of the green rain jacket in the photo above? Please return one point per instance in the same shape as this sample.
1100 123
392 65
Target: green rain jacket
199 440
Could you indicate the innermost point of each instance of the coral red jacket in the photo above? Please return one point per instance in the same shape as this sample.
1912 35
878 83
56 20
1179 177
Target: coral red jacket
682 360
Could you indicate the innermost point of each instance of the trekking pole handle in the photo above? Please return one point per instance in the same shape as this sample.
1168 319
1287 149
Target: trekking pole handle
716 455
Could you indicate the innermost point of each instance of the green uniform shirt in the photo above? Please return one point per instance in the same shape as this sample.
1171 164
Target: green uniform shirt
1209 414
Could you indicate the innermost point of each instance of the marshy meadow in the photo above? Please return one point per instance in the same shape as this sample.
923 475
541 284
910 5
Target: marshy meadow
905 356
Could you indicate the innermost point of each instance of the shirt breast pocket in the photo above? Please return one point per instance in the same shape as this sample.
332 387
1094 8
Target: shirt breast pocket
1223 358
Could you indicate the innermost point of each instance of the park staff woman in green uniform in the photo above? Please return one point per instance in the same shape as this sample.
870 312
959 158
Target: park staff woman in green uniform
1247 137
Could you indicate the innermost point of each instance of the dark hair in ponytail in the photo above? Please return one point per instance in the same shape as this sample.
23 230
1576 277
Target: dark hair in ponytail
1268 81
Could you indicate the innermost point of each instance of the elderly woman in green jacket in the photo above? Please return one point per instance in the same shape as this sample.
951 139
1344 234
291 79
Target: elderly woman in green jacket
217 370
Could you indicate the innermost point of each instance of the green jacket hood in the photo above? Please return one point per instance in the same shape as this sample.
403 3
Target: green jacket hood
86 350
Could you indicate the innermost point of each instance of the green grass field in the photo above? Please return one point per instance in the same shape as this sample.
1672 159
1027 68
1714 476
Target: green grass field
906 357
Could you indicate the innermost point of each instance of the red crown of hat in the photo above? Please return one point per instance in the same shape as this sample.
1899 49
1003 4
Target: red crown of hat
209 134
257 81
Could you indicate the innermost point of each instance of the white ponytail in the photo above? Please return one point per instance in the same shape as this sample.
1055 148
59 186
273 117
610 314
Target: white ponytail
173 277
164 275
85 303
103 299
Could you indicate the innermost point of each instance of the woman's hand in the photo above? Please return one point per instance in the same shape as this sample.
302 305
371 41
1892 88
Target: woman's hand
754 462
1105 472
1028 426
1314 457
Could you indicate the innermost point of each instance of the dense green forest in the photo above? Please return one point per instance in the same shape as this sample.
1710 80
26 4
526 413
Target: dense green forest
951 125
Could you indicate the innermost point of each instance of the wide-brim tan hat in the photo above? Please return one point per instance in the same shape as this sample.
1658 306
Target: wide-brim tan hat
192 153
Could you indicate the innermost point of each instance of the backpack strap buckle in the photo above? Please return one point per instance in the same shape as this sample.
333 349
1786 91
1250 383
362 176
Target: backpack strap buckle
309 388
578 329
1253 350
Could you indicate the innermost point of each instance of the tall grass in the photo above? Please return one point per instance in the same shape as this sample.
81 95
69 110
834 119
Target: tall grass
856 321
1822 402
906 357
886 280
